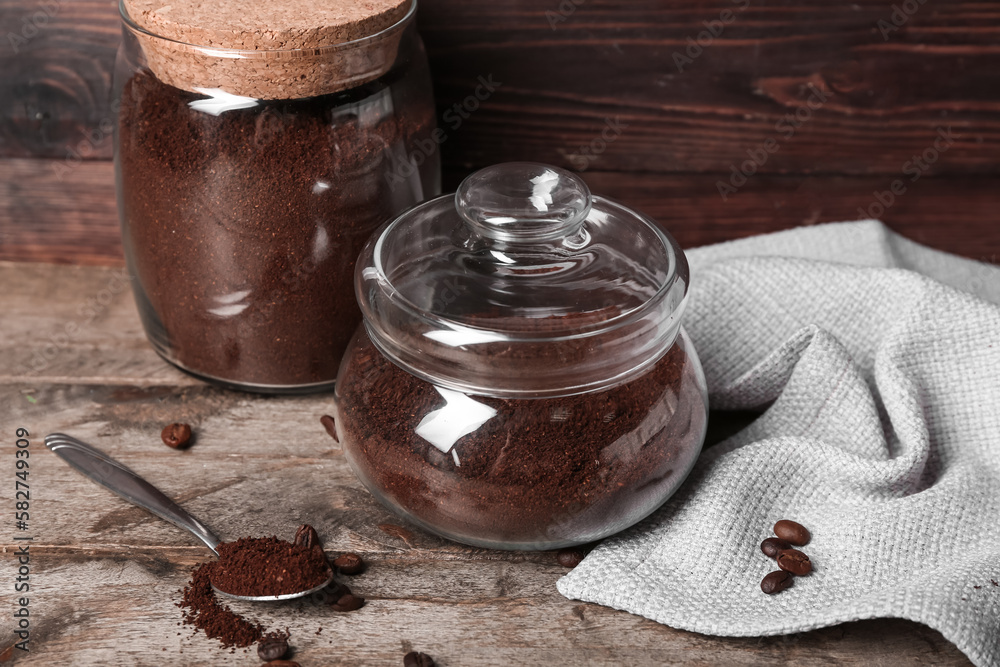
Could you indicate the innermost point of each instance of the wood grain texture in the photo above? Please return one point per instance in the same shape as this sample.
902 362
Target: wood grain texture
565 68
563 79
57 213
70 216
105 574
100 608
951 213
56 63
568 69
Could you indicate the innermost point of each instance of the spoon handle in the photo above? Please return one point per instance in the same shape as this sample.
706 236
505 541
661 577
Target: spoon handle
112 475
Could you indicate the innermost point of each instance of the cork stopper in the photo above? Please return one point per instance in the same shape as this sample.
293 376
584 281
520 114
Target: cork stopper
265 49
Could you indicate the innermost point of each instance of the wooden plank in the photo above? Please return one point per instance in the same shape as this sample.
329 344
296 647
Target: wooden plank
118 570
106 574
562 81
118 609
74 324
954 214
73 219
53 213
57 57
567 68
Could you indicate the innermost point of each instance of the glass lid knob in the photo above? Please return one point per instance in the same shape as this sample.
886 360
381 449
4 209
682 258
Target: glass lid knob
523 202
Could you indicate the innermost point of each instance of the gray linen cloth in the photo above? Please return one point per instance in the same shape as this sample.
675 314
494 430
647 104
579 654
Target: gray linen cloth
877 364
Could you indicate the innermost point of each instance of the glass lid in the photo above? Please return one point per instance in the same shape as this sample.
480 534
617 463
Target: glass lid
522 284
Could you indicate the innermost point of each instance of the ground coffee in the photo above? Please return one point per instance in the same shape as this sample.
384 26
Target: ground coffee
203 611
541 471
268 566
242 227
252 566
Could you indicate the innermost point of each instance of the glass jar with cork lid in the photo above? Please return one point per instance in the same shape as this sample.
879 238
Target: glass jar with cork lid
259 144
521 379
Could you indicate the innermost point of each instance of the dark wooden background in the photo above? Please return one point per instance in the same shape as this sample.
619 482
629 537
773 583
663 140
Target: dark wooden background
566 68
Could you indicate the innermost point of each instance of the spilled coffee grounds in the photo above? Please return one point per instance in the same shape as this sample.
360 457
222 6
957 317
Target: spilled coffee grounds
204 611
249 566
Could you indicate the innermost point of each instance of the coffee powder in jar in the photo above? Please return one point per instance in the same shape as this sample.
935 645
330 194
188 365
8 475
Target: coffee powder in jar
540 472
521 379
251 170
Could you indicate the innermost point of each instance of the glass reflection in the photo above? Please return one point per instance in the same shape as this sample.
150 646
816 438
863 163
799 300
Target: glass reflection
459 417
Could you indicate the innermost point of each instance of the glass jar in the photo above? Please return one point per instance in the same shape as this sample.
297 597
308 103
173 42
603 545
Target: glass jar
250 173
521 379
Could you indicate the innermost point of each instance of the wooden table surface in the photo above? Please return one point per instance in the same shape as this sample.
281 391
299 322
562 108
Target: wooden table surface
105 575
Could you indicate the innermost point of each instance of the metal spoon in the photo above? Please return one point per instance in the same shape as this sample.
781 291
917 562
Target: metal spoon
112 475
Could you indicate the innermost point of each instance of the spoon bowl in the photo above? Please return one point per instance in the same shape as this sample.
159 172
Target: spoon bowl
119 479
275 598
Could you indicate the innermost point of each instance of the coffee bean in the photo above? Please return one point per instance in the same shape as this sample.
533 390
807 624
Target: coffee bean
349 602
415 659
776 582
349 564
306 536
318 548
330 425
772 545
792 532
177 436
334 591
272 649
794 561
569 557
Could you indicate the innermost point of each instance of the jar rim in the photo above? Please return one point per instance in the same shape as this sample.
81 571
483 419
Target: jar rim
225 52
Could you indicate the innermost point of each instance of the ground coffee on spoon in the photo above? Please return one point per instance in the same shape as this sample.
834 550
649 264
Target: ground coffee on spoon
252 566
268 566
